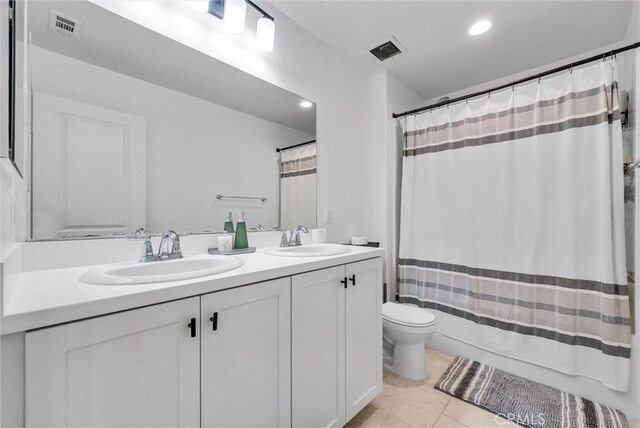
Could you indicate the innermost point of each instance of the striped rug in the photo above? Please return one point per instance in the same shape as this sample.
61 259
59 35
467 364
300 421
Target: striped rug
522 401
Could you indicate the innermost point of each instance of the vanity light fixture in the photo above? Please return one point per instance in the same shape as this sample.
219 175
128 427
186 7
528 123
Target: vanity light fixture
234 13
265 34
306 104
479 27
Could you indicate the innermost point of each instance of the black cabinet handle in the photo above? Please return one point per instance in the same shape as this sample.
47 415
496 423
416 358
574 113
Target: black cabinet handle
353 279
214 320
344 282
192 326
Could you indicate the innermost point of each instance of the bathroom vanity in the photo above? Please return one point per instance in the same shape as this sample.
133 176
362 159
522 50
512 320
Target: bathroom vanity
279 341
280 337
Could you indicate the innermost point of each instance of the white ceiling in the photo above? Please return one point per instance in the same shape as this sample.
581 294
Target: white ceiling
110 41
440 57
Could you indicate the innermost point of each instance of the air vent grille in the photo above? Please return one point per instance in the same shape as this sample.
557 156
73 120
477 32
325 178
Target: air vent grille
387 49
65 25
62 24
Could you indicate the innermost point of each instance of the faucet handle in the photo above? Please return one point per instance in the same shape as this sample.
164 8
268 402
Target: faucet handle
284 240
147 251
175 249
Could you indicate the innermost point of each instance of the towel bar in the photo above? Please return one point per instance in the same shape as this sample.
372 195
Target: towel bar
257 198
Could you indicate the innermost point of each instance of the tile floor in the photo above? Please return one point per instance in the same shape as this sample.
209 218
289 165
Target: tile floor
406 403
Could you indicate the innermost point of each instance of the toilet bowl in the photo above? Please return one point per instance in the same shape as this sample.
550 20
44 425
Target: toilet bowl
405 328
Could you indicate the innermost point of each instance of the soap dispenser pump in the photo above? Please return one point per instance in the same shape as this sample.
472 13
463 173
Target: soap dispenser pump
241 233
228 222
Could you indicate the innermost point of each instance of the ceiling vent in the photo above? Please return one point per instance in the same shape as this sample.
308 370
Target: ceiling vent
387 49
62 24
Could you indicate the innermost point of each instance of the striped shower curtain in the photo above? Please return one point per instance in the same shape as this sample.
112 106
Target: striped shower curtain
298 186
512 223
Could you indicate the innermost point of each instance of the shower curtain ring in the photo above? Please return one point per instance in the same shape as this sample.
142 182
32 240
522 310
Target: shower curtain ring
571 69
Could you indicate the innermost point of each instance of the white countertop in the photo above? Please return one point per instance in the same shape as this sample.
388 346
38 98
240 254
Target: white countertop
52 296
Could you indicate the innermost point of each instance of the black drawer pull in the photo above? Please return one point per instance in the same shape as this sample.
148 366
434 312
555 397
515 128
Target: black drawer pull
353 279
214 320
192 326
344 281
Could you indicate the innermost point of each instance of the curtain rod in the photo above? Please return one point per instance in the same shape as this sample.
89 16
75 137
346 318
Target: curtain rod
295 145
602 56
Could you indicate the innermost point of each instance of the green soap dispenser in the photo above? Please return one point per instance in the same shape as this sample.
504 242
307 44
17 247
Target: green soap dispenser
241 233
228 222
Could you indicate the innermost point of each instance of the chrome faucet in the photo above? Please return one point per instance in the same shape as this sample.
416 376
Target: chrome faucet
169 248
292 237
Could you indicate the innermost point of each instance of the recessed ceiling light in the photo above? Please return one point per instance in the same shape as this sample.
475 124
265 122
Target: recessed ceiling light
479 27
306 104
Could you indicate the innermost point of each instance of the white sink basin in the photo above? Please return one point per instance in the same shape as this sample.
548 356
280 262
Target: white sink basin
311 250
131 273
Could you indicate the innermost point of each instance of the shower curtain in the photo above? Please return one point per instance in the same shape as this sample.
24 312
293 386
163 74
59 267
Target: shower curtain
298 186
512 223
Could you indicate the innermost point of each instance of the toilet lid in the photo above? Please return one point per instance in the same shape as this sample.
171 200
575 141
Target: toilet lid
405 314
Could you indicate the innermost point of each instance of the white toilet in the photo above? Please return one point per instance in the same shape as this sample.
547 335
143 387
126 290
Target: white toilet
405 328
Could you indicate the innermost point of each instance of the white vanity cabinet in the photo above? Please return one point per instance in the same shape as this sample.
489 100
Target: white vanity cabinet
246 356
134 368
336 331
303 350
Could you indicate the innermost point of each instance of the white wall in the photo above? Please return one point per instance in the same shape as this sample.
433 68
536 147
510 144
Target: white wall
389 95
195 149
302 64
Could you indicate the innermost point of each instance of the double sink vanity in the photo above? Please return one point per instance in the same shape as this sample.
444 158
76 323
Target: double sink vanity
285 336
280 337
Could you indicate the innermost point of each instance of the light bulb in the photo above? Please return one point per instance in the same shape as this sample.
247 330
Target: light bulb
479 27
306 104
235 12
265 34
199 5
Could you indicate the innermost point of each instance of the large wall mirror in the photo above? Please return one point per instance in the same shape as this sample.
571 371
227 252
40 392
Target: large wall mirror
131 129
12 109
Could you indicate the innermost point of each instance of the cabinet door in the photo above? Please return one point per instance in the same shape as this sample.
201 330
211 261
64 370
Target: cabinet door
246 356
317 348
133 368
363 334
